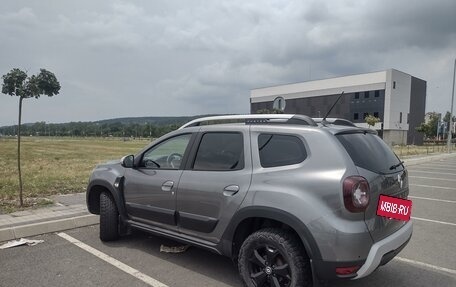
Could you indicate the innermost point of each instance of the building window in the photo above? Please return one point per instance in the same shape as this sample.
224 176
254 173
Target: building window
365 115
366 94
394 84
355 116
376 114
377 94
400 117
408 117
356 95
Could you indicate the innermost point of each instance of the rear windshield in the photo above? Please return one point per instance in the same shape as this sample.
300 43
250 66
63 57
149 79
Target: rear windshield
370 152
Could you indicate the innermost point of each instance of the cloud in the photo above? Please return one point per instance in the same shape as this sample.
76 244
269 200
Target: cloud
119 58
25 17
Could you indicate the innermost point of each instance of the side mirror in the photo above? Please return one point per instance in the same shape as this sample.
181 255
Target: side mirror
128 161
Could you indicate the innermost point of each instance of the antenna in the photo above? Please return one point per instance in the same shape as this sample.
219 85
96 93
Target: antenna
323 121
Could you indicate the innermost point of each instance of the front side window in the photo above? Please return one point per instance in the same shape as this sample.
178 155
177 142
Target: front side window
279 150
220 151
168 154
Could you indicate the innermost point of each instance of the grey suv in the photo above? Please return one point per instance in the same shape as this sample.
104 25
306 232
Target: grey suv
291 199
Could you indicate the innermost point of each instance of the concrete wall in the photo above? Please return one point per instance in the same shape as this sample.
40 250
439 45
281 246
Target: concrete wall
397 100
395 137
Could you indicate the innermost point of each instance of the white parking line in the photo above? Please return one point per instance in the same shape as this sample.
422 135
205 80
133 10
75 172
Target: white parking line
439 166
433 172
434 178
433 186
114 262
434 169
430 266
434 221
433 199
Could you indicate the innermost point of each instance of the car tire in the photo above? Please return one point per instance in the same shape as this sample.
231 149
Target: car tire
274 257
109 218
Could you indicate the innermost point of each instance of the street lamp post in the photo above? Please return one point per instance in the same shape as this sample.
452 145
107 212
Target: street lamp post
450 127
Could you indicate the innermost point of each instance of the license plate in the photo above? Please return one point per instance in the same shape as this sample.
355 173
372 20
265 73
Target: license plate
393 207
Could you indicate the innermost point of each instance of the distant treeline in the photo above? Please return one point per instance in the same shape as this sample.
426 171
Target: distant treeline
122 127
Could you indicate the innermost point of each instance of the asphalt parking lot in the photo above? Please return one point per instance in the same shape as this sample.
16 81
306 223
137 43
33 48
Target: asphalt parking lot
73 258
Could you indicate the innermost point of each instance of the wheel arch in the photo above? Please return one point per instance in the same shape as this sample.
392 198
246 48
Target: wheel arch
241 226
96 187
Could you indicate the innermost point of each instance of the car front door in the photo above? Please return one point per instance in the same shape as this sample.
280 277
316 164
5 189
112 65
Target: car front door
150 188
214 182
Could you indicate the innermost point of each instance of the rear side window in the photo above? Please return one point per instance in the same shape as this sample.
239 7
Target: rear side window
369 152
280 150
220 152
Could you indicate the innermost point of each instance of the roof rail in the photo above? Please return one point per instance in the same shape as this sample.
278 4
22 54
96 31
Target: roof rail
335 121
255 119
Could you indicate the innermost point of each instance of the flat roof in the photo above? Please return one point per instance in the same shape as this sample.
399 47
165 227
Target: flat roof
331 84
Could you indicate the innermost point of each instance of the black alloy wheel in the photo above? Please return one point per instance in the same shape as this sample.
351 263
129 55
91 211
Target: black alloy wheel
268 267
274 257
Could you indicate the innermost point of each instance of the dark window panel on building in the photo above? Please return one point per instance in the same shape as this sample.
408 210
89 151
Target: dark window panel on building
377 94
394 84
376 114
400 117
366 94
355 116
365 115
356 95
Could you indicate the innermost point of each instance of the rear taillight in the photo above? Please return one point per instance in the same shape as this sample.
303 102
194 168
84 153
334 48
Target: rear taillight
356 193
344 271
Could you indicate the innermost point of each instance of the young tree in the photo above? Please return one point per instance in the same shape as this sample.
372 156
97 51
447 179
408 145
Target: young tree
371 120
429 128
17 83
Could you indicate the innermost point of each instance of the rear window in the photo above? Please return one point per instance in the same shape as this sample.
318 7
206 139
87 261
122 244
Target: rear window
279 150
370 152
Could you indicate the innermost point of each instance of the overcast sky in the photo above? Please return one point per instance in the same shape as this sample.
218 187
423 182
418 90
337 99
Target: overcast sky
172 58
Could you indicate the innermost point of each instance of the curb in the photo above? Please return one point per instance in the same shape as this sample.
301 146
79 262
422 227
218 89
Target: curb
420 160
33 229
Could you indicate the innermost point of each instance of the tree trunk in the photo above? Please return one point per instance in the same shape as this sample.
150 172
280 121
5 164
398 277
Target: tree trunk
19 151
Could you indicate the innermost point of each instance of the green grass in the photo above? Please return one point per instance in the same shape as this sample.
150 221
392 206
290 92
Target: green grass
54 165
63 165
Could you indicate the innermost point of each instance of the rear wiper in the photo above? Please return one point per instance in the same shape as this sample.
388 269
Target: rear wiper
396 165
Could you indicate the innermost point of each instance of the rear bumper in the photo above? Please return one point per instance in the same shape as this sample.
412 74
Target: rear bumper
385 250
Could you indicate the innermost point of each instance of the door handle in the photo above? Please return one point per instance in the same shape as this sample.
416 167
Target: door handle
167 185
230 190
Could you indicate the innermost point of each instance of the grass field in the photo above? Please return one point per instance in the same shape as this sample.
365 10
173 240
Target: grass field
54 166
63 165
